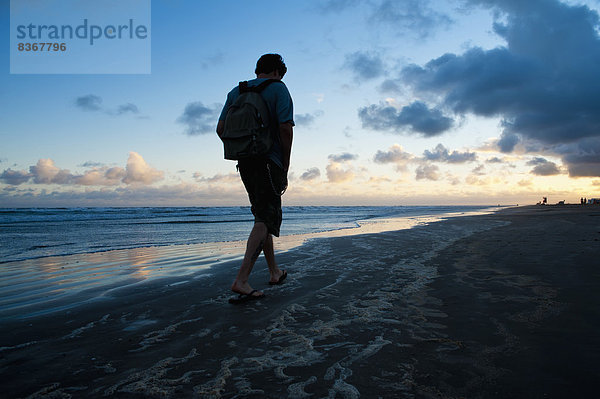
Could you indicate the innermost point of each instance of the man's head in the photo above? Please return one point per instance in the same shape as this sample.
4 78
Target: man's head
270 63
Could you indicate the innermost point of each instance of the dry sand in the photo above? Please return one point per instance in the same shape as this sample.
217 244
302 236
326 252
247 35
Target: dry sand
503 305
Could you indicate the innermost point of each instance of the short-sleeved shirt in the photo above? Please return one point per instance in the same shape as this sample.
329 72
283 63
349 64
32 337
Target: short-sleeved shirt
281 109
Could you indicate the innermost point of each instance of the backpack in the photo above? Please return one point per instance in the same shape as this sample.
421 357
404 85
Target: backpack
247 131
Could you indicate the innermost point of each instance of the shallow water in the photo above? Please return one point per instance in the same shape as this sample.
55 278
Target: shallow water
40 285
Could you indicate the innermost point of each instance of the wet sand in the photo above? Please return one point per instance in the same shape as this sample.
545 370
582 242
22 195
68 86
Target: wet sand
501 305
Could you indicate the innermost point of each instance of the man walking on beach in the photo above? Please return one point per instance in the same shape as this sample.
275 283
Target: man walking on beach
265 177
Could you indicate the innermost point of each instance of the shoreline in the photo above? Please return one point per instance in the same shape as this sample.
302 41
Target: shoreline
476 306
93 272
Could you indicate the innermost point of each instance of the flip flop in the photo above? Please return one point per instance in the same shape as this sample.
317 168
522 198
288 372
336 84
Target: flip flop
281 278
245 298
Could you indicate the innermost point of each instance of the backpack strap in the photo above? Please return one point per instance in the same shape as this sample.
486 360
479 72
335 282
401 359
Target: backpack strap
243 86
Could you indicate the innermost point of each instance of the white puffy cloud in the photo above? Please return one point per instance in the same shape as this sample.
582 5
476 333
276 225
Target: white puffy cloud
45 172
103 176
138 171
340 167
336 173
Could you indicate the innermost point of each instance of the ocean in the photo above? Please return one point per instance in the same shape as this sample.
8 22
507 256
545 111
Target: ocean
31 233
56 259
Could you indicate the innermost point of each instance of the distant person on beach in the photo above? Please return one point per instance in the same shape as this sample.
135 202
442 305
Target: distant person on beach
264 177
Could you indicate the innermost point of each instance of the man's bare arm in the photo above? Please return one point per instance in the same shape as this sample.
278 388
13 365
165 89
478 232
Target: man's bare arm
286 135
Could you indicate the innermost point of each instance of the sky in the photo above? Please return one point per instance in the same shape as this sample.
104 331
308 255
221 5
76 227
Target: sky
406 102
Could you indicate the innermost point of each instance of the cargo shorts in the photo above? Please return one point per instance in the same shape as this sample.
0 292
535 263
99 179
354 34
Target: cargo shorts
264 182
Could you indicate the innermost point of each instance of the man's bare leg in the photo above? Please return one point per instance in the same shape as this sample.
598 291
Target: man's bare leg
269 252
256 242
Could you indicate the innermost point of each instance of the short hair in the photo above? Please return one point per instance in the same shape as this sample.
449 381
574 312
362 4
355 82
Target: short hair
270 63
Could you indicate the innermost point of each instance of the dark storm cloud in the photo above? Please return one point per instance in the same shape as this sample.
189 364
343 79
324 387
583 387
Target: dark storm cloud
543 167
199 119
507 142
365 65
543 83
582 158
441 154
416 118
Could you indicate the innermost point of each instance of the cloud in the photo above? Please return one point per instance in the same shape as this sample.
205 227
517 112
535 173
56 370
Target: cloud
103 176
135 195
543 167
507 142
335 6
339 169
218 178
365 65
413 18
494 160
199 119
45 172
582 157
310 174
336 173
395 155
307 119
410 17
89 102
344 157
212 60
427 172
479 170
390 86
441 154
416 118
543 83
92 102
127 108
15 177
138 171
92 164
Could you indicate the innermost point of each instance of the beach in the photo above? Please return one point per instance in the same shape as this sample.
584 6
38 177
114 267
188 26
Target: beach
499 305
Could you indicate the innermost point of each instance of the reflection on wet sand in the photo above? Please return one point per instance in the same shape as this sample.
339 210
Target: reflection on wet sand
45 284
